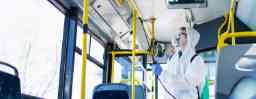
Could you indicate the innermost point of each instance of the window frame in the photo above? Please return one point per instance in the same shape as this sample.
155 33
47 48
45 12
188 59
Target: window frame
89 57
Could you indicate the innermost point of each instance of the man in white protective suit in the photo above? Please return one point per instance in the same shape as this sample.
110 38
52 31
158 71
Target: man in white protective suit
185 74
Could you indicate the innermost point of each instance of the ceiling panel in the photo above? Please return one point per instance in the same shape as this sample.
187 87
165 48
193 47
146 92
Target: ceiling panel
215 9
170 20
105 8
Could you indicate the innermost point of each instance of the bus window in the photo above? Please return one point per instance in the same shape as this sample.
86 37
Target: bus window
31 39
94 48
122 68
94 75
97 50
210 61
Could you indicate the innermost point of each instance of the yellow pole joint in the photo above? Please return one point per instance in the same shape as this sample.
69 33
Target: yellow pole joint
230 28
221 41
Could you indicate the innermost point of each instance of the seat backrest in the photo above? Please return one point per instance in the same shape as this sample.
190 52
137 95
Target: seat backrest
111 91
234 63
117 91
9 84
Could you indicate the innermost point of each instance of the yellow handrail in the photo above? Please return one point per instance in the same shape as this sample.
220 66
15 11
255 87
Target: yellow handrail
127 81
231 34
234 35
134 52
84 50
129 52
133 6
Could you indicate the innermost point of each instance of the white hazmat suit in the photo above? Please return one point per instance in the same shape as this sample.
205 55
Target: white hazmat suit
181 77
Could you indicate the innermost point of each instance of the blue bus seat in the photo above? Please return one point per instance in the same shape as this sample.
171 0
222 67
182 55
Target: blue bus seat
244 89
9 84
117 91
234 63
111 91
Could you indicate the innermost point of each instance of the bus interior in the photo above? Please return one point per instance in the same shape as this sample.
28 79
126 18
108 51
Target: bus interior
106 49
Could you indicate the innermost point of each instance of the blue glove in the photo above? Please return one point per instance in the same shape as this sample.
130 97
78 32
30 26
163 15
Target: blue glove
157 69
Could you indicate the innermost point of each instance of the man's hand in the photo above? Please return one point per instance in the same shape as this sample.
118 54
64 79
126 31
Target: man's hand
157 69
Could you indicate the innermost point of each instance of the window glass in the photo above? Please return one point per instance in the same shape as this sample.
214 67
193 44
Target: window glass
118 76
31 39
94 48
94 76
122 70
210 61
97 50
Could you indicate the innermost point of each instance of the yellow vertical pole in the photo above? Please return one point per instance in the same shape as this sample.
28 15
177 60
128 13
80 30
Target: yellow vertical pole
223 24
113 68
153 87
232 14
154 27
84 50
220 43
230 17
153 20
134 23
233 31
229 22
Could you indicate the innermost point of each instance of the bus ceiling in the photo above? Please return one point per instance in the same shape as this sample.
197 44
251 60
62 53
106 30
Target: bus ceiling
110 20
